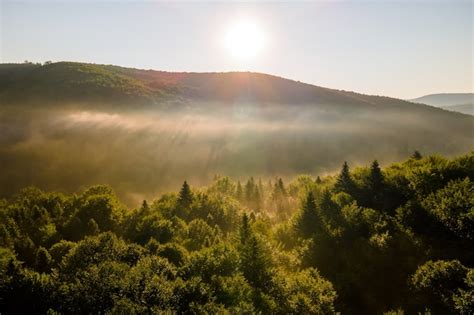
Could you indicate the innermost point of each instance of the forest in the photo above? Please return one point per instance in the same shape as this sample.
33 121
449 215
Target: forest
366 240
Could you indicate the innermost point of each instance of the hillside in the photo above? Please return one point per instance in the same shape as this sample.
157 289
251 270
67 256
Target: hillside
373 240
467 109
79 82
66 125
455 102
445 99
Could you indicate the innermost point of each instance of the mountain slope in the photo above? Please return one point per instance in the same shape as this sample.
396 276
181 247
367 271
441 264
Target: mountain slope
445 99
68 81
65 125
467 109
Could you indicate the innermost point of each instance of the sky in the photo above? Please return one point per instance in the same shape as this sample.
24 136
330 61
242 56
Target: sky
402 49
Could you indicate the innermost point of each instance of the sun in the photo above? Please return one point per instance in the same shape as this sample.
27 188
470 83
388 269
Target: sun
244 40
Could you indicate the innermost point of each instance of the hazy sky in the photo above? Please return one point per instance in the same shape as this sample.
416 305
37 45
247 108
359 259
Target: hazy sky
397 48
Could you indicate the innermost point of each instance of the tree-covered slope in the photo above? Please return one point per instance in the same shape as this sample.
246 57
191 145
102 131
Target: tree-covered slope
364 241
67 125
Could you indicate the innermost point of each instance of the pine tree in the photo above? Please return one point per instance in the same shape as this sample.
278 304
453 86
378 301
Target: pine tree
145 206
281 187
255 264
376 179
43 260
328 207
239 193
185 198
261 189
318 180
376 185
308 217
257 200
416 155
250 192
244 231
344 182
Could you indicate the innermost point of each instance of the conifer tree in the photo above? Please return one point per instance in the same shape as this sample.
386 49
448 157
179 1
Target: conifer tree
308 217
375 186
250 192
255 264
43 260
328 208
281 187
185 197
344 182
318 180
416 155
244 231
257 199
145 206
239 193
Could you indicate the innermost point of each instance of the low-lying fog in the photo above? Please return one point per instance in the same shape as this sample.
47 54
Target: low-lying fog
144 153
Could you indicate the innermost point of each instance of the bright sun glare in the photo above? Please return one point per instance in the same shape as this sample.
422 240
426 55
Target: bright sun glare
244 40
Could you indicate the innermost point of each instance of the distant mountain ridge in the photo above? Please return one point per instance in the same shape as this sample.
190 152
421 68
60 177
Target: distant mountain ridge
456 102
445 99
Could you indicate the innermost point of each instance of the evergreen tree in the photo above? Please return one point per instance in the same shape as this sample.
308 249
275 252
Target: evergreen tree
376 179
250 192
318 180
43 260
261 191
239 194
185 198
376 185
328 208
281 187
255 264
308 217
416 155
244 231
257 199
344 182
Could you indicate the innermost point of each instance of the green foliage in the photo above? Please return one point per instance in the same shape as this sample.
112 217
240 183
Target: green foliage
453 206
308 220
372 241
344 182
446 284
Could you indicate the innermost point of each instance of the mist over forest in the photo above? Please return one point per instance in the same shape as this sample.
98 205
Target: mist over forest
127 191
70 125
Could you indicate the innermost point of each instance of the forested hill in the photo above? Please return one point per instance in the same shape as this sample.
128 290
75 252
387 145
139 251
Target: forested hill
366 241
68 125
82 83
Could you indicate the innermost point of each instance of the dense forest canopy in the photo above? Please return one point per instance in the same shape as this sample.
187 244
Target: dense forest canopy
65 126
364 241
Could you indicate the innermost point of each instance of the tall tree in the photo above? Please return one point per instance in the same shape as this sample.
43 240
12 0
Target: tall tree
255 264
244 231
318 180
185 198
416 155
308 217
376 185
239 194
344 182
